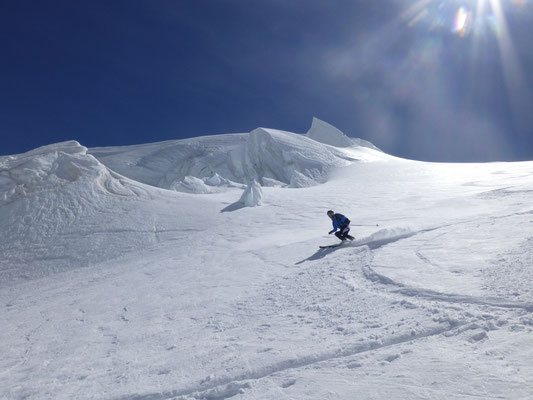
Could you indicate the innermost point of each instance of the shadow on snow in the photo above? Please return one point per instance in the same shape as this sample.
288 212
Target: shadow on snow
371 243
233 207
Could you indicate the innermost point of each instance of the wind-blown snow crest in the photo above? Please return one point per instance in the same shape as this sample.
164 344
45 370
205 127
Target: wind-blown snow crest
53 166
323 132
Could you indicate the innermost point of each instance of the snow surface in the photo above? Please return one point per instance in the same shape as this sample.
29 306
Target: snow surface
114 287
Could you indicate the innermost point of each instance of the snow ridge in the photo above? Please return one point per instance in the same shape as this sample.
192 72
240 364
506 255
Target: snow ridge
289 158
51 167
269 156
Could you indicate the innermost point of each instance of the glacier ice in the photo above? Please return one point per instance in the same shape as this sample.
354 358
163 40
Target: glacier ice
270 156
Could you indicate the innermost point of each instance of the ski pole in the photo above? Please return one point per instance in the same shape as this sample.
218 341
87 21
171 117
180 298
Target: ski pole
363 225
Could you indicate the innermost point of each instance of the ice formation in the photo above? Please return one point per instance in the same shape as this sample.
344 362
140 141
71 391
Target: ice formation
271 157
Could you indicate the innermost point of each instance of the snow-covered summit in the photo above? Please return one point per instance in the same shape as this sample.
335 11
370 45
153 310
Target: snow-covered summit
323 132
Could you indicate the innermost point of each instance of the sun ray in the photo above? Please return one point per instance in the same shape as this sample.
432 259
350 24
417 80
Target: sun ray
477 32
519 96
414 12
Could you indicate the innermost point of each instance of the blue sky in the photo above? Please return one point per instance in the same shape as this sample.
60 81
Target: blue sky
421 79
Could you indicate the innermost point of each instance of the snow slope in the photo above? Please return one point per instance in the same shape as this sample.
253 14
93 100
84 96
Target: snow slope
159 294
61 208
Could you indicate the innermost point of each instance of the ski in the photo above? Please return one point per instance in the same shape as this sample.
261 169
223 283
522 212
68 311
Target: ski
330 246
350 238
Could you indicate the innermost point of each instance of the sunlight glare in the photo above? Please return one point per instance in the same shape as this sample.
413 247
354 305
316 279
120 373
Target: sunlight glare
477 21
519 96
462 22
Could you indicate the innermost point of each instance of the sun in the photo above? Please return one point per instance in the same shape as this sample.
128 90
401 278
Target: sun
462 18
479 22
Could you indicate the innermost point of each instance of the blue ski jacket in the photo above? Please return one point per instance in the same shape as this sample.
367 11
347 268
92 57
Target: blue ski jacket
339 220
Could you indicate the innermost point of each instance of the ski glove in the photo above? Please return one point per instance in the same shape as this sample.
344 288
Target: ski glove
330 232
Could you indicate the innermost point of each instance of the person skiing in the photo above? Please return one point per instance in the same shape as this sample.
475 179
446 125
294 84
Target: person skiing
340 223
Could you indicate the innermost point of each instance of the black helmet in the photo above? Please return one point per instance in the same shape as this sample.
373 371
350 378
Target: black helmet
330 213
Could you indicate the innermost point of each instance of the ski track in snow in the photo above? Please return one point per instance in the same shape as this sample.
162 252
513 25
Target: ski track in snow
222 389
444 297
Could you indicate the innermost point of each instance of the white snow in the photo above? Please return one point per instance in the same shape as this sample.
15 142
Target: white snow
266 155
252 195
114 287
60 208
323 132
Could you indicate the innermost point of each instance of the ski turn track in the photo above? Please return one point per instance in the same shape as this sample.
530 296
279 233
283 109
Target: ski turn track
428 294
443 297
224 388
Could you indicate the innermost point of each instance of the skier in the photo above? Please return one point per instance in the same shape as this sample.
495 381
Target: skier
341 223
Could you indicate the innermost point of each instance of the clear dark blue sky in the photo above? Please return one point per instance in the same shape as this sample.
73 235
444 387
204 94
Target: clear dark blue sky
430 80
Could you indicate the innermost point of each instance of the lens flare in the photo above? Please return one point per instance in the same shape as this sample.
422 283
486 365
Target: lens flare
479 22
462 22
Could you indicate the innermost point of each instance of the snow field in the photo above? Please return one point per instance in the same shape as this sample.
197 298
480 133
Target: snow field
165 295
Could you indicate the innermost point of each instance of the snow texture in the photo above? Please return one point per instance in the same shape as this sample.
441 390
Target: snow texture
60 205
269 156
114 287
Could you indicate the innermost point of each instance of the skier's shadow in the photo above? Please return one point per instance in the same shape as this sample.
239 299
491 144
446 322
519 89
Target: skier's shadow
371 244
321 253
